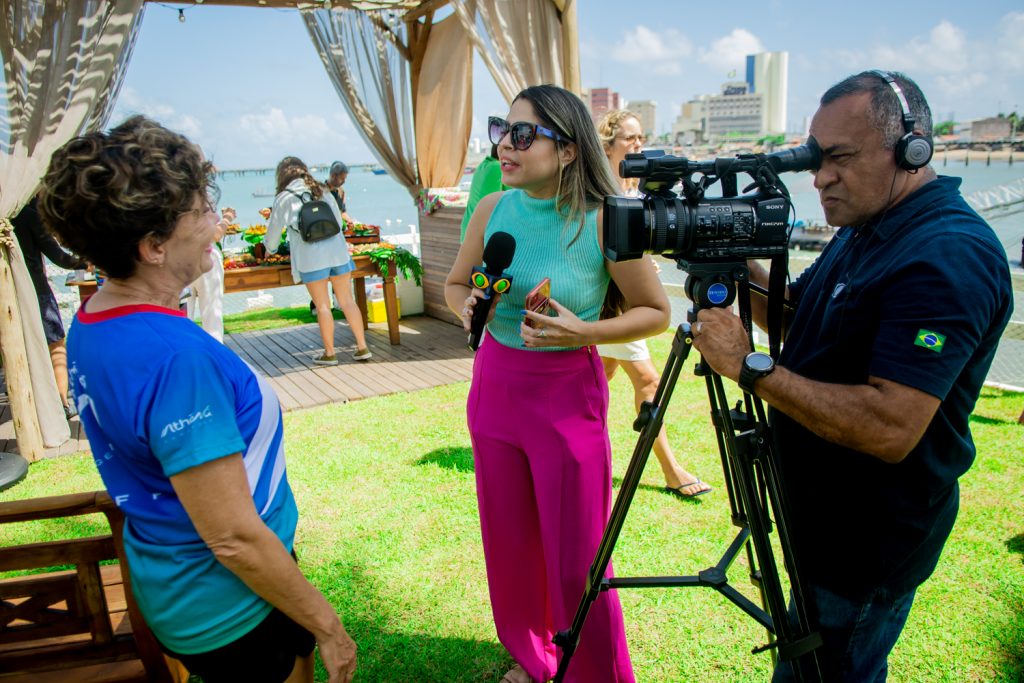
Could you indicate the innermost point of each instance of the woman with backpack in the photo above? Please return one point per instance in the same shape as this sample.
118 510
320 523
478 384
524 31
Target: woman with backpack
314 263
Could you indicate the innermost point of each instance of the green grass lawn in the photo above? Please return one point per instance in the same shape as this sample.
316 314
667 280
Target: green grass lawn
389 532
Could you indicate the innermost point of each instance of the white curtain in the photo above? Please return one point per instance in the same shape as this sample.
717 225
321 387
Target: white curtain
371 76
520 41
63 63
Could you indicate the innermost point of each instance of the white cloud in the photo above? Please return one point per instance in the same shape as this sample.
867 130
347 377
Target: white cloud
960 85
730 51
275 129
660 51
1009 50
129 102
944 50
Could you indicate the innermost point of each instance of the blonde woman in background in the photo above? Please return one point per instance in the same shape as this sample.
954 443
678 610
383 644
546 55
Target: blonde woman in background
621 134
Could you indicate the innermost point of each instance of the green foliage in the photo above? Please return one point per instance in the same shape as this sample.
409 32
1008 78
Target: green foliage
389 532
943 128
405 262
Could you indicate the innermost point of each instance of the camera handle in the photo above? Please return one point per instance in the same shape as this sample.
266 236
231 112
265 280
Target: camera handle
755 496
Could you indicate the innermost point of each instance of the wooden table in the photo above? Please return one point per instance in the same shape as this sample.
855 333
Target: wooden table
269 277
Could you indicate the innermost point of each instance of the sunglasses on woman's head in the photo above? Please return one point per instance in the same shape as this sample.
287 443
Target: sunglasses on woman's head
523 133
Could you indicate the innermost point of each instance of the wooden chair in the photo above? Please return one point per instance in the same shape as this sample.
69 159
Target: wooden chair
80 624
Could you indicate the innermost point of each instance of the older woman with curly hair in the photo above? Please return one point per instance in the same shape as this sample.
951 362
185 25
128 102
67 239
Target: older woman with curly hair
188 440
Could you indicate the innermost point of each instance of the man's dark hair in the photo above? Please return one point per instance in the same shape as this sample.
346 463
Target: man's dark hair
886 113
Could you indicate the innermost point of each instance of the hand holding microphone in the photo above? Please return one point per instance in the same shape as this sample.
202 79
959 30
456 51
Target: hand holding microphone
492 280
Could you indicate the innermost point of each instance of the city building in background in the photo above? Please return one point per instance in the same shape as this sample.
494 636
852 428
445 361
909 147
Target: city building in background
689 128
734 113
768 76
985 130
601 100
646 111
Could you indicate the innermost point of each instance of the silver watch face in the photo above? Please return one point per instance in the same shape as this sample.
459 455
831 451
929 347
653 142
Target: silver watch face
761 362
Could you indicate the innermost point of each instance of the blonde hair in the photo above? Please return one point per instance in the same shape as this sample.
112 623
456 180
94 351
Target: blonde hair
584 182
609 124
291 168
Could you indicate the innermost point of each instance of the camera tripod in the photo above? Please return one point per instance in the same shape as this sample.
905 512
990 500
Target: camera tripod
755 498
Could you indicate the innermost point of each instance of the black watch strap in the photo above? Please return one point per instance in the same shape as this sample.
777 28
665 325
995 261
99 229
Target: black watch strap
750 373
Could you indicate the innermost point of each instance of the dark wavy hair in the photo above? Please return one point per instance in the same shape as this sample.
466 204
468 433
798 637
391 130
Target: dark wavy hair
104 192
290 168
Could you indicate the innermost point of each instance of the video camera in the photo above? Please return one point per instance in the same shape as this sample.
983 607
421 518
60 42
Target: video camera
694 229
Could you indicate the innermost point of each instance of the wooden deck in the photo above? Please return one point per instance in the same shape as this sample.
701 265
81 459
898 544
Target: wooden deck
432 353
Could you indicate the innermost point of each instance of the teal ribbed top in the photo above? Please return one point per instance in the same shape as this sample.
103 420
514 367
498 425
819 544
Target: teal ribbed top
578 275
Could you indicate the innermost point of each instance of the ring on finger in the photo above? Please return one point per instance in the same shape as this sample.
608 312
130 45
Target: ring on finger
541 333
698 327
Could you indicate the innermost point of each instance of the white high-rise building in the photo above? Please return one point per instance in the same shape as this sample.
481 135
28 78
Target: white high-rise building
768 75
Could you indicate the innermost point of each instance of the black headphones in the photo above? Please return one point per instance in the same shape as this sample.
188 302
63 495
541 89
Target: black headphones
913 150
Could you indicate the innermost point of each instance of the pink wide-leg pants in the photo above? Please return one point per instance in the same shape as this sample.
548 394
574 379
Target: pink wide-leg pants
543 472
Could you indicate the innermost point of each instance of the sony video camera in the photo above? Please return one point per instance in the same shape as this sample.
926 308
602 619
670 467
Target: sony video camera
694 229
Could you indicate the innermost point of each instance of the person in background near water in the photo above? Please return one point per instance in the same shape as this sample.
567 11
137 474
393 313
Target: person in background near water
537 407
894 328
335 181
209 287
316 263
188 439
35 241
621 134
486 179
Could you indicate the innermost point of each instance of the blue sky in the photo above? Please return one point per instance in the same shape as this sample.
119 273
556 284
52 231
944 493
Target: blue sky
248 86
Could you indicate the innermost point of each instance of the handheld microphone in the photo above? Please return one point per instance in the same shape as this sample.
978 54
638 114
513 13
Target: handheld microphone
492 279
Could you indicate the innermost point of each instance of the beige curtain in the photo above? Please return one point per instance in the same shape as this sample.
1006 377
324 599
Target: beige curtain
372 78
63 63
520 41
444 105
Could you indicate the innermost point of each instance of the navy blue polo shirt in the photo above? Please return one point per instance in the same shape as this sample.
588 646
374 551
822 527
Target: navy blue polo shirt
919 297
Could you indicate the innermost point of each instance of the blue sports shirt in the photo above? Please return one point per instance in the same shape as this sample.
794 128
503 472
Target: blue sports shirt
157 395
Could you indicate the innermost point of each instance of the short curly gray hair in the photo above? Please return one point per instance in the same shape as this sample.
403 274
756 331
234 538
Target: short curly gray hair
104 192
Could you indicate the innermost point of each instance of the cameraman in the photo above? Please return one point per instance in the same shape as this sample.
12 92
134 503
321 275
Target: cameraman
893 330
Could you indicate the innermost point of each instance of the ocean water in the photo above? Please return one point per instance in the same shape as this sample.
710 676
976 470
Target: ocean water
369 198
380 200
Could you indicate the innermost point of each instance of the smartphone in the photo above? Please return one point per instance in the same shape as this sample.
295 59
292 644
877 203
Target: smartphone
538 300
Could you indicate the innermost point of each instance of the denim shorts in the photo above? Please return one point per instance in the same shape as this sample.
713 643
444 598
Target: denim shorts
325 273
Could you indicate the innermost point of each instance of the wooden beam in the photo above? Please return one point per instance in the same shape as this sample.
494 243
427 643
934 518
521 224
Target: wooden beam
398 5
390 35
425 8
570 48
15 357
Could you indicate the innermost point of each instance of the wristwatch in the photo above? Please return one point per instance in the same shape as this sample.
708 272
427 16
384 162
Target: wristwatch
755 366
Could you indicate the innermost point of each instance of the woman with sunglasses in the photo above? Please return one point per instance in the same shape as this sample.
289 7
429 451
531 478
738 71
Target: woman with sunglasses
187 438
621 134
538 403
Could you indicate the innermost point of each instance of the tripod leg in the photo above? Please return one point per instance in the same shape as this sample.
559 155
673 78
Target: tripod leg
649 423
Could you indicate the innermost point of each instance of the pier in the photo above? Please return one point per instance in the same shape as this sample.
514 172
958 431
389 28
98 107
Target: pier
315 169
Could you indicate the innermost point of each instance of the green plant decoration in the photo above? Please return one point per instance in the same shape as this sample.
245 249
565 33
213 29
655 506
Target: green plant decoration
405 261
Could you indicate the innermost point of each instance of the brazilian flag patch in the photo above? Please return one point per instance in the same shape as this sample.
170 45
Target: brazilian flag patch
930 340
